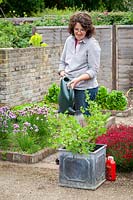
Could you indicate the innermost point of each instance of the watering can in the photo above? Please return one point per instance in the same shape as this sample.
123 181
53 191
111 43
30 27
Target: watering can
66 97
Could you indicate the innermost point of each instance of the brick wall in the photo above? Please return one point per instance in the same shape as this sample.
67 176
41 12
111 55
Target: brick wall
26 74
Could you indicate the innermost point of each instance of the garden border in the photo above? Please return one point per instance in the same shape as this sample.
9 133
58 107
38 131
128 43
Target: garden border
26 158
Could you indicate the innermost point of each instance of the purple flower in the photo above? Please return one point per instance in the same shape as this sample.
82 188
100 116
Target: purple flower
12 115
16 126
27 124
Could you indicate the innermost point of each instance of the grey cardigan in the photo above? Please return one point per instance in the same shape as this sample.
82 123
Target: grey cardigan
81 59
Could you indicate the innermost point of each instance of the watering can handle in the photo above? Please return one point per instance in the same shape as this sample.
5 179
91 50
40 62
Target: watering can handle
71 93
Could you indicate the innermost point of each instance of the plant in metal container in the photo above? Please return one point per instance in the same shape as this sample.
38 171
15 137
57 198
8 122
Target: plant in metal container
82 161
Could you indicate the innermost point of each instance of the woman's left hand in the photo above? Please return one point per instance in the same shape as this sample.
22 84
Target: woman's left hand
73 83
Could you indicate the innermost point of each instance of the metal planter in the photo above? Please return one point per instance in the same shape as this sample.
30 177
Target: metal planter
82 171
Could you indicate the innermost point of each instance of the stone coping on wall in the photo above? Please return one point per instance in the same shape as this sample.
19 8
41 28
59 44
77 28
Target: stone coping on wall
26 158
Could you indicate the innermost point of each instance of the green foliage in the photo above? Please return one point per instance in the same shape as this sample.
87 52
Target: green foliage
25 143
109 5
98 18
69 134
114 100
110 18
18 36
50 20
7 34
53 93
14 36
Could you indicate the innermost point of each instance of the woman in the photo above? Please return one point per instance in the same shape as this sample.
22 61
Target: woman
80 59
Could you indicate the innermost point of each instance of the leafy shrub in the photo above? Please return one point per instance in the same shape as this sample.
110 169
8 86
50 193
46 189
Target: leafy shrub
102 96
114 100
53 93
119 140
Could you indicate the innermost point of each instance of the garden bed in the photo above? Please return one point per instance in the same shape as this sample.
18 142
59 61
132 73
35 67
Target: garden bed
38 156
26 158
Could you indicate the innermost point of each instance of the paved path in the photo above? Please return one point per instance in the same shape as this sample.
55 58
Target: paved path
40 182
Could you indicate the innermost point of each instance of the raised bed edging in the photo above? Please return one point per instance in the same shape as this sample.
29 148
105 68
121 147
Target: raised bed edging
26 158
120 113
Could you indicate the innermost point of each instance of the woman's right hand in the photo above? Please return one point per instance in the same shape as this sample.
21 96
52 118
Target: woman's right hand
62 73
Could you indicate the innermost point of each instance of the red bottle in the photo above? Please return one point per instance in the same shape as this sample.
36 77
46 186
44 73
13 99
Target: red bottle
110 169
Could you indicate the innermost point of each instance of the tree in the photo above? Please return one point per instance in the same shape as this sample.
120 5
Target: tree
22 7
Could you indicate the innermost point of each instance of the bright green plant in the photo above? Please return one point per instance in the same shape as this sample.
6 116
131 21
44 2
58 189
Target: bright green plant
36 40
53 93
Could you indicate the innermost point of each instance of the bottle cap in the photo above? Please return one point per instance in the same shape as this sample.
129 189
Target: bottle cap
110 158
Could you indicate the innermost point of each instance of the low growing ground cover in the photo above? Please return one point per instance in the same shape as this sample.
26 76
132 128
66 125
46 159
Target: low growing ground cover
119 140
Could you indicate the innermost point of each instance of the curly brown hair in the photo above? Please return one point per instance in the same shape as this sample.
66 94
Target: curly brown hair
85 20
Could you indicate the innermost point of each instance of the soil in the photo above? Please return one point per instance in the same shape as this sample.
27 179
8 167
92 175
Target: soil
40 182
